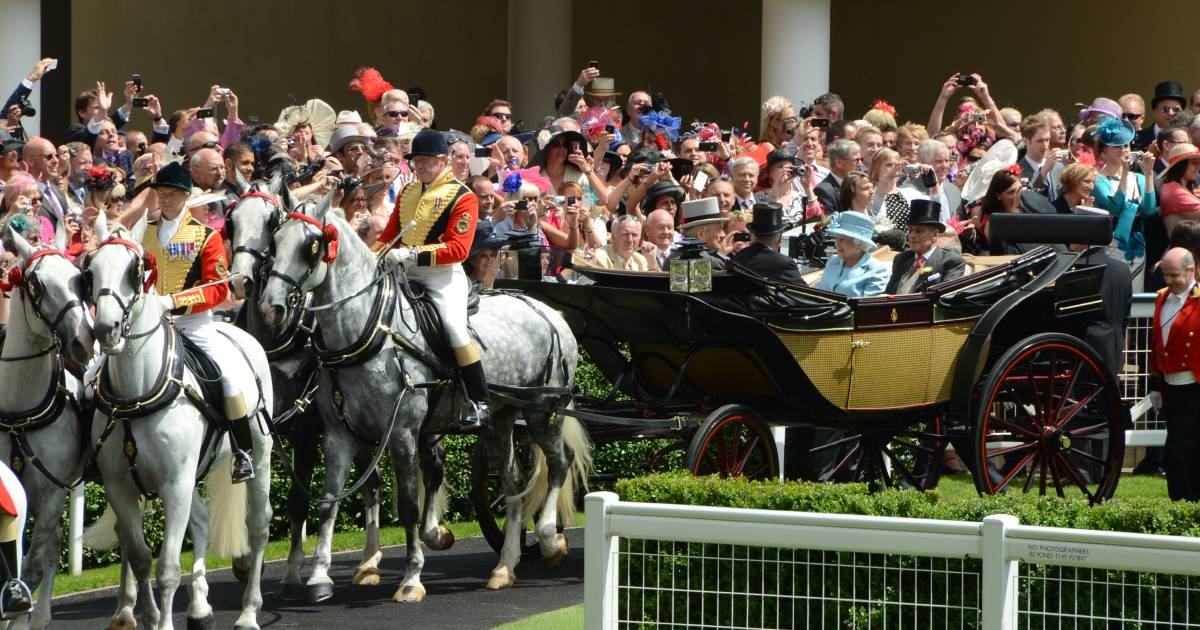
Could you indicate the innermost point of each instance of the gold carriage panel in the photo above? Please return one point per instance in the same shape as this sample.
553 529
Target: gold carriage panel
712 369
905 367
825 359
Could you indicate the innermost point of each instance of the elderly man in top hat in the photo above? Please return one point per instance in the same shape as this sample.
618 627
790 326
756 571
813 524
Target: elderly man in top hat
924 263
1173 368
702 220
442 213
1168 100
762 254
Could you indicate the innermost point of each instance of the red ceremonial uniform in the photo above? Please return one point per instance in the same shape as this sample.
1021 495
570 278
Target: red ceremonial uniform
195 255
444 212
1178 355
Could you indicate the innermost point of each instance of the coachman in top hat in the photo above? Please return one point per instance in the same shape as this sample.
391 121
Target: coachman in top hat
443 213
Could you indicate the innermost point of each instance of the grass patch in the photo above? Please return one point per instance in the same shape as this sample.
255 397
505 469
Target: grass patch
1130 486
563 618
110 575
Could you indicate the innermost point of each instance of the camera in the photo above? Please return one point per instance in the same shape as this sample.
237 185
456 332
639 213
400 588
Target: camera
725 136
980 118
27 108
609 129
965 79
137 82
522 204
798 168
482 152
224 92
912 170
349 183
206 112
141 101
1135 156
645 109
708 146
572 201
819 123
593 64
741 237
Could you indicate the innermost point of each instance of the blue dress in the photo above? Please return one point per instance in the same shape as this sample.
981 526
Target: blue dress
869 277
1130 239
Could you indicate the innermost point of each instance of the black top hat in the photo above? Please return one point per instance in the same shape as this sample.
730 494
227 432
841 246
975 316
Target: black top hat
767 219
485 238
428 142
925 212
660 188
1168 90
783 154
175 176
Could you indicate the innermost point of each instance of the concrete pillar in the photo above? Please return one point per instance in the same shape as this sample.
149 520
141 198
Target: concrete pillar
20 48
539 56
795 49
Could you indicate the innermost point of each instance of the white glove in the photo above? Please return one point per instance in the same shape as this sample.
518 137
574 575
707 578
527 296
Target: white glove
167 302
400 257
1155 400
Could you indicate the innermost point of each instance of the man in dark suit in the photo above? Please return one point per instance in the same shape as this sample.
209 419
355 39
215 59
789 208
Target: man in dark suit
761 255
41 159
1168 100
924 264
844 156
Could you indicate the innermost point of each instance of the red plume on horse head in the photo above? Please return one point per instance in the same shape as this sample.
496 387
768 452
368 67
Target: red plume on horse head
370 83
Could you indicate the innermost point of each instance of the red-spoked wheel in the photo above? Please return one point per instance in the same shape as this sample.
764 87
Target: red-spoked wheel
1048 419
733 442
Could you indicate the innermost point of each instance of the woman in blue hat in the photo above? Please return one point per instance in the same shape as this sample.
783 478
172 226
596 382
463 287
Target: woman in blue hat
852 271
1121 191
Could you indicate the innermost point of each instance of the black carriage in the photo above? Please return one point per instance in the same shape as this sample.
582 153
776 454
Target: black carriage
868 389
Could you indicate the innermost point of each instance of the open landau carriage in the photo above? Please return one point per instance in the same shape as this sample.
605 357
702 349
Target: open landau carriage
872 389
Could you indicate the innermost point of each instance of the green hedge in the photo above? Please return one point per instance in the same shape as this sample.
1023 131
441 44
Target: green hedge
702 584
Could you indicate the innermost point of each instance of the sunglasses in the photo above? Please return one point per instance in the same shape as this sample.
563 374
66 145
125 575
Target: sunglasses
502 115
1132 116
1170 109
973 158
397 114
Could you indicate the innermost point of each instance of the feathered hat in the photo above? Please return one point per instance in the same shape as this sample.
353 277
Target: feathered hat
370 84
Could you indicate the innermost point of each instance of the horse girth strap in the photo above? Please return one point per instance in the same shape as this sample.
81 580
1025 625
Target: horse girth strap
46 411
372 338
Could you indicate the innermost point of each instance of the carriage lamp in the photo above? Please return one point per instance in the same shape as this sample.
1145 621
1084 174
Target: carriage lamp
526 251
691 268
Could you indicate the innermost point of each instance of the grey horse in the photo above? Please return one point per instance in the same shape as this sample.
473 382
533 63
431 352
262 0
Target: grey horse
523 342
248 227
168 442
46 313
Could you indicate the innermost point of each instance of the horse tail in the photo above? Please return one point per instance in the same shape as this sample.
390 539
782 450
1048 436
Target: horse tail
102 535
576 437
228 534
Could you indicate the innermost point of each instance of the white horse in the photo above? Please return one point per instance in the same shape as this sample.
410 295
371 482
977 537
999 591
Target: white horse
38 403
371 393
166 445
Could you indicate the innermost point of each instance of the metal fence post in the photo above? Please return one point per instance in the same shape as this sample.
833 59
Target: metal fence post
599 563
76 516
999 574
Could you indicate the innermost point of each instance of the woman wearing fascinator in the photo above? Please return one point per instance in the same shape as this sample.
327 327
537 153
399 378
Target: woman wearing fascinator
1124 193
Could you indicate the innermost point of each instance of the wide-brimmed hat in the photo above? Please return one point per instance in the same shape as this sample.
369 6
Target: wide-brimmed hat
348 117
1179 153
855 225
428 142
485 238
699 212
602 87
1101 105
345 135
925 211
1168 90
173 175
1115 132
782 154
490 139
659 189
767 219
539 158
614 160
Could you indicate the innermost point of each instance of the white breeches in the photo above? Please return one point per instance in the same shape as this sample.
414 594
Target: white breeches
17 492
448 285
235 372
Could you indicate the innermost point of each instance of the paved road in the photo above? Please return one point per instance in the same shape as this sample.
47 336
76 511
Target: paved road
454 580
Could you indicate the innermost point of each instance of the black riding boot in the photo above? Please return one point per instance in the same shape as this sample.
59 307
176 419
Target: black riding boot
481 414
239 432
15 597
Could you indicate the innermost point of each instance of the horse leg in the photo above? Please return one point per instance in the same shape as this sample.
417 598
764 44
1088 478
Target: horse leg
499 443
135 581
199 612
258 523
433 458
367 572
338 447
404 460
304 453
41 562
176 496
558 459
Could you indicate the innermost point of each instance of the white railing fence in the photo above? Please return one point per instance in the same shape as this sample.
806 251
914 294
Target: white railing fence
676 566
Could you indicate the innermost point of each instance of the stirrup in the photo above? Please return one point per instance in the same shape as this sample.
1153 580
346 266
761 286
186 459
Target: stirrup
243 466
479 417
16 599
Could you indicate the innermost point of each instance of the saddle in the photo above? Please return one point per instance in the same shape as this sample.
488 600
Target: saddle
207 372
429 319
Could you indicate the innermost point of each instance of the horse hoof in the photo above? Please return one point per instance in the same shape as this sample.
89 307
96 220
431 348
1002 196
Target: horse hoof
291 591
122 624
204 623
445 539
501 579
561 549
241 572
409 594
242 627
366 576
317 593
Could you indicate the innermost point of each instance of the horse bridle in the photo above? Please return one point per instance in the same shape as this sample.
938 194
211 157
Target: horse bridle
33 287
314 245
137 267
263 258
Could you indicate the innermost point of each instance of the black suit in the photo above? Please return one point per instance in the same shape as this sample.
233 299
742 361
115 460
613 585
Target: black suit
1106 329
769 263
1143 138
827 193
946 265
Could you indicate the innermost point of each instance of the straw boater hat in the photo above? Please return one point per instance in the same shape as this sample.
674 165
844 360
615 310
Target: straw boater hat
602 87
1179 153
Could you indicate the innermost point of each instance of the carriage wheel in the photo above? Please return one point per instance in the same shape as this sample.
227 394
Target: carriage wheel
908 458
487 494
1049 417
733 442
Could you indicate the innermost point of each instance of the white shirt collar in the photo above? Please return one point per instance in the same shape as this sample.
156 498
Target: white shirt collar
1183 296
168 227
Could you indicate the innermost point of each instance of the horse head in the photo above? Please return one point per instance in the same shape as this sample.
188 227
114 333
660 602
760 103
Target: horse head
51 288
248 228
117 278
305 247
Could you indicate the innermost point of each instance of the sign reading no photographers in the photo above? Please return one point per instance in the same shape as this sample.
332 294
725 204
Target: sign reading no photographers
1054 553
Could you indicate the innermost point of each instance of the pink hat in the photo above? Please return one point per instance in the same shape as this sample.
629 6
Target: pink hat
1101 105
